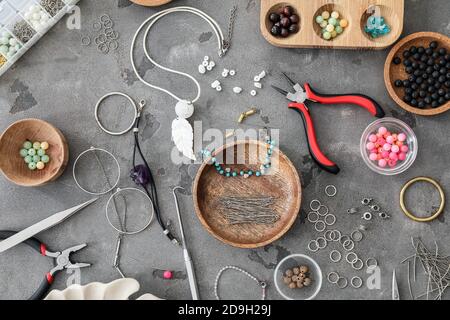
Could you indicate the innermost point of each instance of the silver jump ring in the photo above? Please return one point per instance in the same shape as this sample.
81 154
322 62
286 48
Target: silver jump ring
113 45
310 248
332 275
328 235
322 224
133 104
335 256
104 17
348 245
357 236
330 190
312 205
97 26
352 254
344 238
313 217
338 235
85 41
92 149
323 240
344 284
133 232
356 282
103 48
108 24
100 39
327 219
373 265
360 262
323 214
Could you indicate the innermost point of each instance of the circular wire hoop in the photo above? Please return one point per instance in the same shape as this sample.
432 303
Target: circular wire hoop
97 107
92 149
131 232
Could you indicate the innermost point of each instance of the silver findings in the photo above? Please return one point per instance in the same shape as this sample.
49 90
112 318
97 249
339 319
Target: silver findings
119 191
330 219
342 282
367 216
133 104
333 277
315 205
348 245
357 236
366 201
321 243
336 235
331 190
322 212
313 217
371 263
375 207
320 226
97 26
358 264
328 235
383 215
356 282
351 257
313 246
335 256
92 149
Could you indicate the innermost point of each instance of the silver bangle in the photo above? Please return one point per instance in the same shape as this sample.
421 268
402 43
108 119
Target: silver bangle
133 104
335 256
323 240
333 190
134 190
312 205
328 235
348 245
92 149
356 282
338 235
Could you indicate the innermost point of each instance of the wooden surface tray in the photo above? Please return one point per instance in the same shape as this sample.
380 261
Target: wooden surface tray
283 184
353 37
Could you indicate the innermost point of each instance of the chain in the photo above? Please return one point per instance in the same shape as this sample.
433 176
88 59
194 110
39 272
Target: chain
233 15
262 284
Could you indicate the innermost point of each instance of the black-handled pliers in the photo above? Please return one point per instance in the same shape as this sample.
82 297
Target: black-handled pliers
61 261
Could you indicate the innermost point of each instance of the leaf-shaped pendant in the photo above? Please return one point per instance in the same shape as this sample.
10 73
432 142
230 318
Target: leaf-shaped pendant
183 137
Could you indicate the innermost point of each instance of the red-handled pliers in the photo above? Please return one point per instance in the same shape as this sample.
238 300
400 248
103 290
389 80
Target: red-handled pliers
61 259
303 93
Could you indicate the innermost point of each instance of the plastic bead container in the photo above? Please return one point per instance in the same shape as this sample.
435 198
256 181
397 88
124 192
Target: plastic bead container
18 32
393 125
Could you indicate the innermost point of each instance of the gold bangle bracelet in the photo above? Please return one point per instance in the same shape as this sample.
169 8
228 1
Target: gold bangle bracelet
409 214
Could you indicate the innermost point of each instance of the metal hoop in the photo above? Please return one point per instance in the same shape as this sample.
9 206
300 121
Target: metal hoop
135 190
333 219
357 236
92 149
333 274
347 257
358 284
314 202
310 215
320 229
333 190
348 245
97 106
326 211
85 41
361 264
315 243
333 254
371 265
345 283
321 239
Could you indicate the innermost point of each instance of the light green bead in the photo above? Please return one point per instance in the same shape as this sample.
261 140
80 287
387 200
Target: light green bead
45 159
27 145
319 19
324 24
327 35
28 159
339 29
36 145
36 159
338 23
332 21
32 166
4 50
31 152
23 153
41 152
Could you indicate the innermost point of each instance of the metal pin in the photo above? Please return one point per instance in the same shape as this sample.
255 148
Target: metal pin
241 118
251 112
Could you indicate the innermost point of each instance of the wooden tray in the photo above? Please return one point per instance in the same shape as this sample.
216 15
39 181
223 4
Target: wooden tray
283 184
393 72
151 3
353 37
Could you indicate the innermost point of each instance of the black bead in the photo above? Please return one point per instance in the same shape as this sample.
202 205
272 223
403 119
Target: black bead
441 101
442 79
407 63
413 50
437 67
293 28
274 17
431 89
422 94
448 75
434 104
407 98
409 70
414 102
441 92
419 80
276 30
443 71
431 81
414 86
425 76
442 62
435 74
420 50
424 86
398 83
434 44
447 65
427 100
406 83
408 91
415 95
424 58
421 105
447 96
422 66
412 78
415 65
417 73
447 57
417 56
435 96
406 54
429 70
442 51
397 60
429 51
447 84
284 32
430 62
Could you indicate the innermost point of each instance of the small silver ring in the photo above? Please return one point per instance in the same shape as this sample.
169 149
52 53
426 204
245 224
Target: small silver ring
373 265
104 17
333 274
344 238
357 236
113 45
310 248
311 215
335 256
328 235
345 284
326 211
108 24
333 190
311 205
356 282
361 264
333 219
338 237
133 104
97 26
85 41
348 245
100 39
347 257
325 243
320 229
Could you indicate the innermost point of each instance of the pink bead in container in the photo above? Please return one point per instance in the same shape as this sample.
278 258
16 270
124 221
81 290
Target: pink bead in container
389 146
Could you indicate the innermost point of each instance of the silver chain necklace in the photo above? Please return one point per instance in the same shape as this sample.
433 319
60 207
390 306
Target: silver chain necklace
260 283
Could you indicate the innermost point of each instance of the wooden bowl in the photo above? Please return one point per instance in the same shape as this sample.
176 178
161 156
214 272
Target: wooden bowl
283 184
150 3
393 72
12 164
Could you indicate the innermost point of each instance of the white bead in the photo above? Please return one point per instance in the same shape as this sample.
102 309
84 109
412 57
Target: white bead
205 63
12 42
258 85
17 47
206 58
201 69
5 34
225 73
219 88
212 64
215 84
37 16
257 79
184 109
36 8
253 93
232 73
237 90
262 75
3 50
12 50
4 40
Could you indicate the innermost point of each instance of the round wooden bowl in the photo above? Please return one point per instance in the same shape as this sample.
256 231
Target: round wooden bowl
393 72
150 3
283 184
12 164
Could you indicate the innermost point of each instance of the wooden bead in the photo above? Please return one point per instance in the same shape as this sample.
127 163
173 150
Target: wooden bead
287 280
295 278
296 270
307 282
304 269
300 284
289 273
301 277
292 285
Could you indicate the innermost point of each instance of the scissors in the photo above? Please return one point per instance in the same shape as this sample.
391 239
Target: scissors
304 93
395 293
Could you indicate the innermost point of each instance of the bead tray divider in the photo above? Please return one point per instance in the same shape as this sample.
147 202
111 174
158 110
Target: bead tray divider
353 37
68 7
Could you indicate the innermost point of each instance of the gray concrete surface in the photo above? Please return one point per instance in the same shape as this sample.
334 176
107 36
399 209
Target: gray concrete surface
60 81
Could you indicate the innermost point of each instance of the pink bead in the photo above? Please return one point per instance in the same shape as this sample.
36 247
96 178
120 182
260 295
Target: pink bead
393 156
381 141
373 156
379 135
390 139
374 150
382 163
373 138
399 143
404 149
382 130
395 148
401 137
387 147
379 157
168 275
385 154
380 150
392 163
370 146
402 156
387 134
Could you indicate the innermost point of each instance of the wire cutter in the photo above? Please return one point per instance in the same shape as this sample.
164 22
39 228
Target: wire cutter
61 261
304 93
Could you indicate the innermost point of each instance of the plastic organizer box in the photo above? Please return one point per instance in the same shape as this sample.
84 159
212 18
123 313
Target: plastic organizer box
24 22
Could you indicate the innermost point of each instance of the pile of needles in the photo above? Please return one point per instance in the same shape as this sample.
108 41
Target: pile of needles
435 266
243 210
